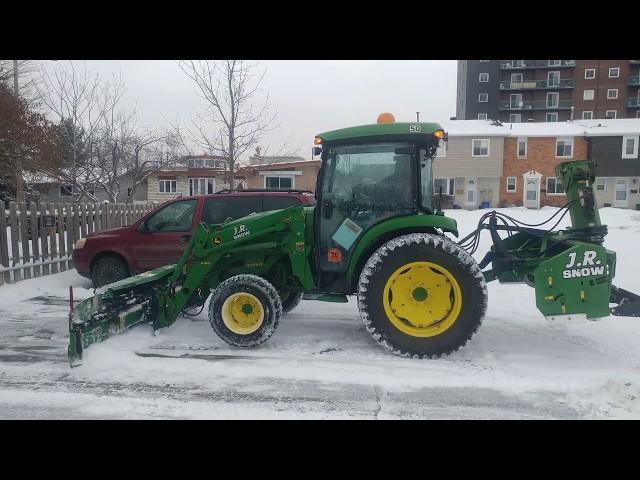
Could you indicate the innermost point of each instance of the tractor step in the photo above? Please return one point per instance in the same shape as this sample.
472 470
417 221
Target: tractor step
326 297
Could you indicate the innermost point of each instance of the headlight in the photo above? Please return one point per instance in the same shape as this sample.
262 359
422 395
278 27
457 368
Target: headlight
80 243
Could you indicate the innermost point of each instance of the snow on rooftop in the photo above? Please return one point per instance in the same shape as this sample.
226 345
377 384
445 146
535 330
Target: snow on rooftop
473 127
544 129
610 127
602 127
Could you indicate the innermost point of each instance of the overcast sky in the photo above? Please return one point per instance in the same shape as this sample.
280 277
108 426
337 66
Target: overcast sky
309 96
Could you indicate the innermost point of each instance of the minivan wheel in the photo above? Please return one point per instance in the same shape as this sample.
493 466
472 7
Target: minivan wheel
108 269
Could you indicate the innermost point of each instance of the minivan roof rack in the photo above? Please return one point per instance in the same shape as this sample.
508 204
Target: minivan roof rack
289 190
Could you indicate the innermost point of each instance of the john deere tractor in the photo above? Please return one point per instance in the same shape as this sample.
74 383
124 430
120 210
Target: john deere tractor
377 232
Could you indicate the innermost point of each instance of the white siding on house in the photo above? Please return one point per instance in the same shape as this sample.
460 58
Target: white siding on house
460 162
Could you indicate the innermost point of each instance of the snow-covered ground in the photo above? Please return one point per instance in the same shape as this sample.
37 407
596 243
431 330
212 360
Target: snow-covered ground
321 363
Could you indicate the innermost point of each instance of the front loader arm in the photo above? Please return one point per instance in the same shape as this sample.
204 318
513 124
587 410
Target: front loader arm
197 267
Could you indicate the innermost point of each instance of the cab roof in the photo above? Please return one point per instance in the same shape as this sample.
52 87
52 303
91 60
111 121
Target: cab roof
393 130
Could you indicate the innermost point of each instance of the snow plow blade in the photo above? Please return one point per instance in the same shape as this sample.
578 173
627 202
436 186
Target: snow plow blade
113 309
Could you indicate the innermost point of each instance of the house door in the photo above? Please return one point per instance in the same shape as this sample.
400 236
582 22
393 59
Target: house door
532 192
622 193
470 198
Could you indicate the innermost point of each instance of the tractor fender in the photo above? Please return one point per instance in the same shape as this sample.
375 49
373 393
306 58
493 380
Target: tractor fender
388 229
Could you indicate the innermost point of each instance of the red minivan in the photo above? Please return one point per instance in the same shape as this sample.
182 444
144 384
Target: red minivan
160 237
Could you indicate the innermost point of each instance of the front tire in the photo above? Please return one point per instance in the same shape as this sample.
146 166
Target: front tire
108 269
245 310
420 295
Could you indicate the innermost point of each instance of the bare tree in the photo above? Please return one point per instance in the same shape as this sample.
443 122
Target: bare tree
72 97
151 151
28 76
115 135
231 123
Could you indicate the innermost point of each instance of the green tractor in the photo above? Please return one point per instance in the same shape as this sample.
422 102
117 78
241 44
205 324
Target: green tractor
377 232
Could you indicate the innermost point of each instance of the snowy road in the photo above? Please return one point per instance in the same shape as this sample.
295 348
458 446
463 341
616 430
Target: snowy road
321 363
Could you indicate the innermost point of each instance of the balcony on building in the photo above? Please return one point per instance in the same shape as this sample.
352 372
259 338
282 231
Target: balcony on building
535 105
633 102
634 62
538 84
528 64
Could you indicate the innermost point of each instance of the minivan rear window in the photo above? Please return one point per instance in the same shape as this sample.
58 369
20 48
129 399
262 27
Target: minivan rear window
217 210
277 203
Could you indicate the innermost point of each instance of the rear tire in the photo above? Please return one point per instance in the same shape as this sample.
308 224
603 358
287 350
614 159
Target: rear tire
420 295
245 310
108 269
290 300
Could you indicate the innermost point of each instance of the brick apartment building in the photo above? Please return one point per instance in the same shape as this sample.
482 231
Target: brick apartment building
517 91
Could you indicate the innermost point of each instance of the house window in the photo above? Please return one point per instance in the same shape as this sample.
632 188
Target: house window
483 77
601 184
522 147
515 118
483 97
511 184
447 185
442 149
614 72
518 63
483 61
66 191
611 114
553 79
480 148
564 147
278 182
554 186
167 186
612 93
554 63
482 116
589 73
516 77
630 147
552 117
553 99
588 94
201 186
587 115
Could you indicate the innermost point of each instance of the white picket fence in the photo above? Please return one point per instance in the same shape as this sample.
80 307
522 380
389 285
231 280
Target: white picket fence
37 240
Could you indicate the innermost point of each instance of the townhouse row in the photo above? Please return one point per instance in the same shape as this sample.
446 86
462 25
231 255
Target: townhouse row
492 164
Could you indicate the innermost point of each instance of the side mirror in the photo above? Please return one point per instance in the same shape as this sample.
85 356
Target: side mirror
317 151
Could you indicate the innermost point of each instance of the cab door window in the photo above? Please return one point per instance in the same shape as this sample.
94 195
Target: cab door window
363 185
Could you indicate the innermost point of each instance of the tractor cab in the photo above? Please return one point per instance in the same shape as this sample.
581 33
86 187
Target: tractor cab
370 174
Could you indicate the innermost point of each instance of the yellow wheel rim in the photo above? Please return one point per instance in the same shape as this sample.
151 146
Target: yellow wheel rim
422 299
242 313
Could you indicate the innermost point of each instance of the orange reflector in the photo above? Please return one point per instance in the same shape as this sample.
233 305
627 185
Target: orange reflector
317 141
438 134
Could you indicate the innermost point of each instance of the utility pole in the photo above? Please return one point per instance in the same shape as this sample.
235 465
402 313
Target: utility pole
418 117
18 170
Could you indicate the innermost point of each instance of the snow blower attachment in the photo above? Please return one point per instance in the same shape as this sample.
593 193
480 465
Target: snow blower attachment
377 231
